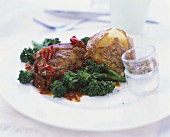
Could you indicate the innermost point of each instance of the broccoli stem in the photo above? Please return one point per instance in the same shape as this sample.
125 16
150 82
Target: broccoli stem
37 45
109 77
113 73
47 42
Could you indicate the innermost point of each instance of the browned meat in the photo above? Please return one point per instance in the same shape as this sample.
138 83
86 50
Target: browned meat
39 82
52 62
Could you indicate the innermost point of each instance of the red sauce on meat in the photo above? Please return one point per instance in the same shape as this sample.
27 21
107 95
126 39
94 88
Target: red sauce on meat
28 66
77 42
118 85
45 92
73 96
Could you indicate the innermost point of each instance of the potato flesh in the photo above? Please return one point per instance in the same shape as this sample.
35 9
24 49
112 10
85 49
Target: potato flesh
115 33
104 41
108 39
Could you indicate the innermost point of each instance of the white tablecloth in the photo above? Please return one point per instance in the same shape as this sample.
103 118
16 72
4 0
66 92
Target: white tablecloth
14 124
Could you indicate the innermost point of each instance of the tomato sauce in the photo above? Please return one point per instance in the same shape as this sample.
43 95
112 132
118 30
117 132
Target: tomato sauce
118 85
73 96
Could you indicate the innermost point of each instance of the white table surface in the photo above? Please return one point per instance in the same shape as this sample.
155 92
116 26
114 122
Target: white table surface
14 124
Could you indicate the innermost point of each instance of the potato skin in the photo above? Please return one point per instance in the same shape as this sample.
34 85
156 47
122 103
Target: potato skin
109 54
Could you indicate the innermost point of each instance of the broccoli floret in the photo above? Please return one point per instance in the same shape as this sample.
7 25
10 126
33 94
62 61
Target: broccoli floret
83 77
98 88
47 42
85 40
69 79
58 89
27 55
92 67
25 77
73 80
85 83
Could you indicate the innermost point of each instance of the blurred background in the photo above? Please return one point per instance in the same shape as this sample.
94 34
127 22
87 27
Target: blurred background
159 11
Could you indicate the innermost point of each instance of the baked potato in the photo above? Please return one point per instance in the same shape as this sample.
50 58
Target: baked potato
107 47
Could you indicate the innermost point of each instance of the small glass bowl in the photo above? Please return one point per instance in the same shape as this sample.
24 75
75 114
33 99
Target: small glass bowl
141 69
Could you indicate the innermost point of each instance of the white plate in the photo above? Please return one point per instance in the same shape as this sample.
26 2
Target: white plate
118 111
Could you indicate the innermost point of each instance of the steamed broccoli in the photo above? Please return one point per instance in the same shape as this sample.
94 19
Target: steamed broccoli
84 82
58 89
98 88
73 80
70 79
85 40
47 42
92 85
92 80
92 67
76 80
25 76
27 55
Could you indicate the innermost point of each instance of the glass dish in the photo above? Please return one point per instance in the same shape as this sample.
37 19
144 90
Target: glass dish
141 69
